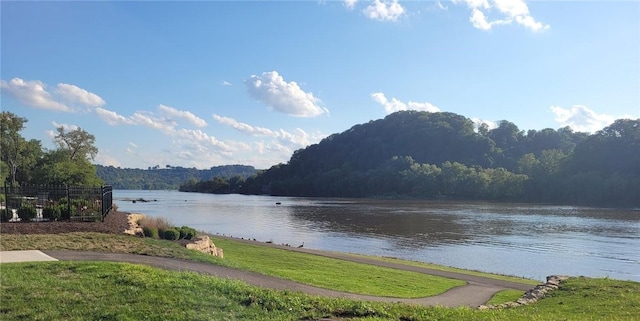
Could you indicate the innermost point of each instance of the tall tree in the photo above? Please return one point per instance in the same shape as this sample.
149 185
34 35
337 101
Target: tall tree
31 154
12 143
78 143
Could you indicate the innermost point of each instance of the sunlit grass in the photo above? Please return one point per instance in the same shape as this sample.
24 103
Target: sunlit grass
333 273
505 296
120 291
452 269
305 268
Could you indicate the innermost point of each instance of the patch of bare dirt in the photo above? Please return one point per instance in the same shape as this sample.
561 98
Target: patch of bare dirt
115 222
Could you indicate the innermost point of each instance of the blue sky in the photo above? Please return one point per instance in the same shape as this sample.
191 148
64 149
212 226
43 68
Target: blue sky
207 83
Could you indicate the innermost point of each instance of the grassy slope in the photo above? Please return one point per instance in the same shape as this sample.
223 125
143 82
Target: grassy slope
452 269
310 269
118 291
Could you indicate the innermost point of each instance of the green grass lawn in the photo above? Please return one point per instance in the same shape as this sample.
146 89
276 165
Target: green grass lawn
505 296
452 269
305 268
120 291
332 273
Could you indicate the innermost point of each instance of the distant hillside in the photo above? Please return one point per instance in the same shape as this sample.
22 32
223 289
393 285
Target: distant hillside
168 178
442 155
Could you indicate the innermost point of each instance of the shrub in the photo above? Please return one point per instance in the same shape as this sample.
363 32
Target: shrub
171 234
26 213
65 212
187 233
5 215
151 231
52 213
160 224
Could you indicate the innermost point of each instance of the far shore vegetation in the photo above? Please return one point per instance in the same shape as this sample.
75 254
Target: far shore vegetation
407 154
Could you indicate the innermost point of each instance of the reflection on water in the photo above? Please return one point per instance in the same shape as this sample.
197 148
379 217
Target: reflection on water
525 240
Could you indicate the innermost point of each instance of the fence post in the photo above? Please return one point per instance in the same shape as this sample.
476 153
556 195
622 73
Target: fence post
107 200
102 201
6 201
68 201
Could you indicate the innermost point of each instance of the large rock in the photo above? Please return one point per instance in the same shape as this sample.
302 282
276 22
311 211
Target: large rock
134 227
533 295
200 243
205 245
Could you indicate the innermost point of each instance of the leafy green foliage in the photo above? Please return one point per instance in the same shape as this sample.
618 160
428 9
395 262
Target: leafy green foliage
187 232
12 143
27 212
26 162
5 215
53 213
169 177
151 231
76 143
440 155
171 234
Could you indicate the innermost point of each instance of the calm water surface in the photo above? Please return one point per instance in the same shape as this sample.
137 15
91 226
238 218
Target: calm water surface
516 239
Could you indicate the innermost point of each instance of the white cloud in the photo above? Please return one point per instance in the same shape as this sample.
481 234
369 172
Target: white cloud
423 106
186 115
66 127
512 8
298 139
441 6
394 105
32 93
350 4
149 120
75 94
146 119
271 89
582 119
226 83
53 133
203 140
112 118
268 152
490 124
384 10
508 11
479 20
245 128
105 159
531 23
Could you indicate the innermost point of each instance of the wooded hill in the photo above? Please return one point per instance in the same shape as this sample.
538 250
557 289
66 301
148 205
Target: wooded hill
443 156
168 177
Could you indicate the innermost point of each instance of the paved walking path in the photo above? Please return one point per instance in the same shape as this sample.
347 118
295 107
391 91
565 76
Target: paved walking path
477 291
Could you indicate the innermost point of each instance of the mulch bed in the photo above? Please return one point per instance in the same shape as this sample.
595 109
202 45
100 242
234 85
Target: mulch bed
115 222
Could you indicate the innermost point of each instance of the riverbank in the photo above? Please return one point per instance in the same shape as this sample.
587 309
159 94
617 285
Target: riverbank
513 239
328 270
105 242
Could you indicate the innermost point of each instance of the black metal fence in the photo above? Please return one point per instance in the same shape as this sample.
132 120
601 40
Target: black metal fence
52 203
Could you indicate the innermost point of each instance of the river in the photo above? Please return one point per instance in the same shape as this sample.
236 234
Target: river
525 240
